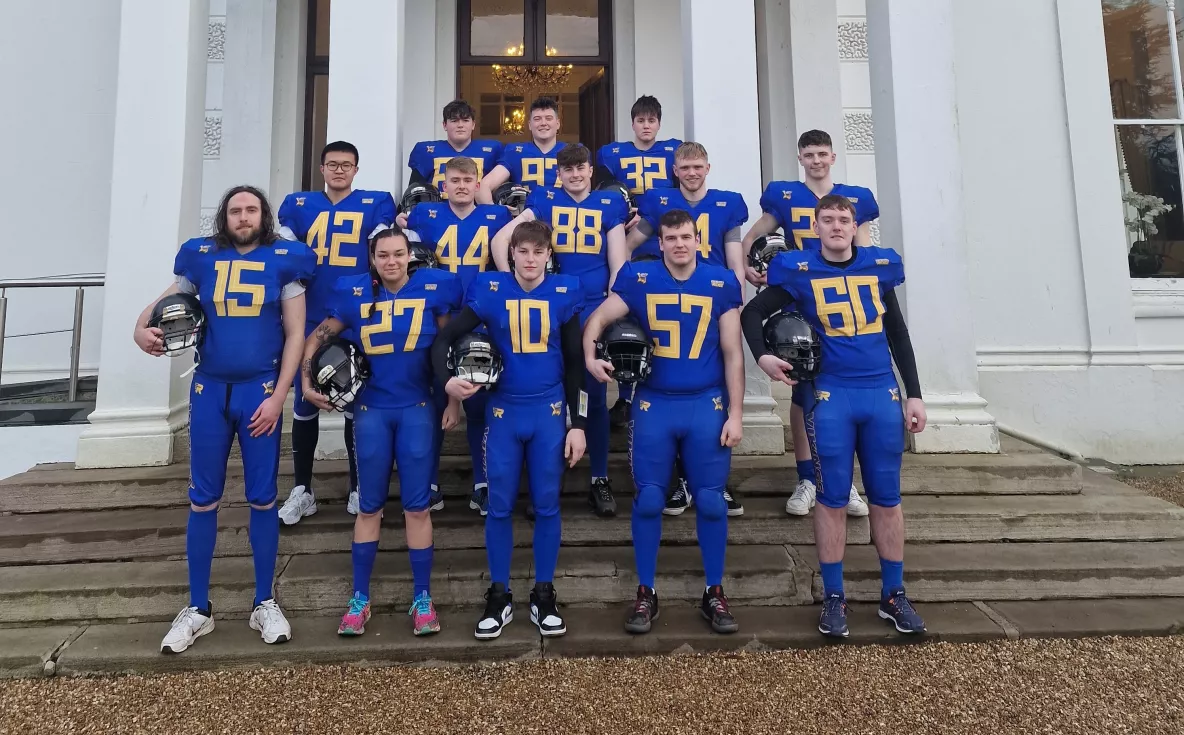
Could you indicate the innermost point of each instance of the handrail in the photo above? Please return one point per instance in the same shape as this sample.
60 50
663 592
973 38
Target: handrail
76 281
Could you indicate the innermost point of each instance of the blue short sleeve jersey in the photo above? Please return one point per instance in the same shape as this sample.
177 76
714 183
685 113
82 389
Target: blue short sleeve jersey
529 166
579 233
716 214
429 157
792 204
462 244
640 170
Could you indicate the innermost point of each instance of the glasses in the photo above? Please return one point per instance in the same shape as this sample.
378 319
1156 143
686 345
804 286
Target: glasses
335 166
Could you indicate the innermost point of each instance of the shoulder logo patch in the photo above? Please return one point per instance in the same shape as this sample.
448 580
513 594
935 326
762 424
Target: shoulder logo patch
853 200
663 201
787 194
203 248
491 216
429 287
487 149
881 261
493 285
430 148
606 201
561 289
431 214
299 201
721 204
368 201
717 284
669 148
550 194
803 266
616 149
357 290
517 149
281 251
641 277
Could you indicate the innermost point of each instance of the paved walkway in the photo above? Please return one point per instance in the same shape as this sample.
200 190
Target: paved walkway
1110 685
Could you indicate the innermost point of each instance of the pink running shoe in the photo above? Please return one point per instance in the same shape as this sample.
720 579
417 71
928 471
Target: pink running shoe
423 615
354 620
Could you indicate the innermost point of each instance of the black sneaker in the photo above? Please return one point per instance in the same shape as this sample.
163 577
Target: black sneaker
479 501
544 611
528 511
618 415
715 608
644 612
679 500
832 623
600 497
499 611
735 507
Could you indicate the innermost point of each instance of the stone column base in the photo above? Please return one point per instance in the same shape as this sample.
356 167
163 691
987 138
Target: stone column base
764 432
132 438
957 424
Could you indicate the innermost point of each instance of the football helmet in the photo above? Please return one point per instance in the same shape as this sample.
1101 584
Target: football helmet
181 320
473 357
512 196
423 255
415 194
623 190
764 249
339 371
646 258
625 344
790 337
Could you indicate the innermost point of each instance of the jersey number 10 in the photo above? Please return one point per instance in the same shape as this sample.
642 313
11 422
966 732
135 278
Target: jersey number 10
520 325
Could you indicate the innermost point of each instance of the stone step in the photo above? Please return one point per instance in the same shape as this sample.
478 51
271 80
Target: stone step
60 487
759 575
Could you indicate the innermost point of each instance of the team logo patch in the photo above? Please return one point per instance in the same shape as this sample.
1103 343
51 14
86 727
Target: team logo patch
663 201
203 248
367 201
357 290
429 287
641 277
431 214
197 388
669 148
556 408
717 402
803 266
721 204
895 393
486 149
517 149
491 216
561 289
644 405
299 201
617 150
786 195
717 284
853 200
493 286
606 201
430 148
550 195
881 261
281 251
499 413
822 395
269 388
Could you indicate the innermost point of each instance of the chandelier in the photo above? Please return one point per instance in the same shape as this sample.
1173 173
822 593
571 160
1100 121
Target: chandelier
524 78
514 123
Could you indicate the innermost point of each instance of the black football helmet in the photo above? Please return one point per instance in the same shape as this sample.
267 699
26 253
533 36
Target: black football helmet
512 196
623 190
423 255
764 249
625 344
339 371
646 258
415 194
790 337
473 357
180 318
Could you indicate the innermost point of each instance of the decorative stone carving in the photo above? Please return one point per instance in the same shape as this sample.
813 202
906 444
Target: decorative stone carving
859 132
853 41
212 147
216 41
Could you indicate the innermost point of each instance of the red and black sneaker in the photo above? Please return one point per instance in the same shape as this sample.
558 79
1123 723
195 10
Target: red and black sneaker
644 612
716 609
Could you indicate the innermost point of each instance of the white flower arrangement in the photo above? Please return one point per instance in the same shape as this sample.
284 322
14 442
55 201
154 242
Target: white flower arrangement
1147 208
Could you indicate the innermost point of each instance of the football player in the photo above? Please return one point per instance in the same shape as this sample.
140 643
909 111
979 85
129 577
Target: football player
588 237
789 205
429 158
336 224
846 292
462 230
249 284
529 164
691 405
533 319
397 315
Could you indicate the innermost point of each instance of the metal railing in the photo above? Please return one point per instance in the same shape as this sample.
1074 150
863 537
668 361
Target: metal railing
79 283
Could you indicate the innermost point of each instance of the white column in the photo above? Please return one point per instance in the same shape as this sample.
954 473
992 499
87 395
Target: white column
248 94
659 67
919 165
420 113
624 67
287 128
365 87
155 197
722 113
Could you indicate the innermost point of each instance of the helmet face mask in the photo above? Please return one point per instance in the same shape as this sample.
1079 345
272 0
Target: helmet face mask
512 196
340 371
181 321
764 249
417 194
625 344
623 190
423 255
791 338
474 358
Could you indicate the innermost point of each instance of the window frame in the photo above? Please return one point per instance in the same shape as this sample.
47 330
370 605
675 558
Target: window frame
314 66
534 38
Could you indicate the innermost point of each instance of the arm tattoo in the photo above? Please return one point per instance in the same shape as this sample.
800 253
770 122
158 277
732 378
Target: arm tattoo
308 367
324 332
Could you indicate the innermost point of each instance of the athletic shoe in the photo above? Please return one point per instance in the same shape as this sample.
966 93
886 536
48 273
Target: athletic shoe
600 497
716 609
436 498
499 611
644 612
300 504
353 504
269 620
833 621
355 618
855 505
802 500
479 500
544 611
423 615
189 625
897 608
679 500
528 511
618 415
735 507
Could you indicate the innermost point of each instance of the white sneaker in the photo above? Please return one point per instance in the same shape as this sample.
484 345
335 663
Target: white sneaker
351 507
855 505
188 626
802 500
300 503
269 620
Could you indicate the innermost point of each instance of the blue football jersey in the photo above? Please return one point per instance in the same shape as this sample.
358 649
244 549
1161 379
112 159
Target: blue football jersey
525 327
845 305
462 245
396 331
682 318
240 295
428 158
792 203
579 232
529 166
640 170
339 235
715 214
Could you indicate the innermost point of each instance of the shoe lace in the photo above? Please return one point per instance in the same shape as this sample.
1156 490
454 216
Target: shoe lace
422 605
603 491
295 498
186 616
644 605
494 604
833 605
271 612
902 604
357 605
719 602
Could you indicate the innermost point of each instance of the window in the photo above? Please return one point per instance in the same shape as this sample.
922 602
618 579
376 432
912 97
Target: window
1143 56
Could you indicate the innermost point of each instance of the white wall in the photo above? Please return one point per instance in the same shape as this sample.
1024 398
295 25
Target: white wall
59 60
857 133
657 62
22 447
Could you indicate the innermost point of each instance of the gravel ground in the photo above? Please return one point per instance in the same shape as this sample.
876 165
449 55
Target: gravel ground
1104 685
1168 487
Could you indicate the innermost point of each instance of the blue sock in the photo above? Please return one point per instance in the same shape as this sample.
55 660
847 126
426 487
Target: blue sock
891 577
806 470
647 536
832 579
421 570
499 545
363 554
264 534
547 532
199 548
713 545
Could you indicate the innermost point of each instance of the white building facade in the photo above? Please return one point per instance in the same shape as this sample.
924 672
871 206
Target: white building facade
999 173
